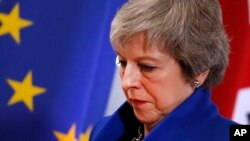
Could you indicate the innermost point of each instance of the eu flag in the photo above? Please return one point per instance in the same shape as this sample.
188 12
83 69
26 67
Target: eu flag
56 67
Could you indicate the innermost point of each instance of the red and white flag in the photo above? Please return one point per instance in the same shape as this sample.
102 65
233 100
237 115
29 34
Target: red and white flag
233 95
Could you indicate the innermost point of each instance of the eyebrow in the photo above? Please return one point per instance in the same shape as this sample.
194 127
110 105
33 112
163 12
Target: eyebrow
118 54
147 58
141 58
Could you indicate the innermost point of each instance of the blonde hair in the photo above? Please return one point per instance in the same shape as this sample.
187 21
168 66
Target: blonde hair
190 30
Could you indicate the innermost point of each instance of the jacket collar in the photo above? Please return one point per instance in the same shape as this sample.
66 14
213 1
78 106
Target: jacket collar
192 113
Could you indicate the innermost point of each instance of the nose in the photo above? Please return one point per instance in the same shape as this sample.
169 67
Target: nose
130 77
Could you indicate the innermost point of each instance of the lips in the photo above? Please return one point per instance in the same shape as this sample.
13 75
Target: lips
137 103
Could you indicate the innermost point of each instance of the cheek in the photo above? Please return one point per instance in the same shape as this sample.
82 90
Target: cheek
165 94
161 96
169 94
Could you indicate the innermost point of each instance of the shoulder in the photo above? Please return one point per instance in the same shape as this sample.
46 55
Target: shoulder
215 129
218 129
222 123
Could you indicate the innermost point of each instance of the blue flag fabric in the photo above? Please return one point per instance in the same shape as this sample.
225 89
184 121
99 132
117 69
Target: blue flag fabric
56 67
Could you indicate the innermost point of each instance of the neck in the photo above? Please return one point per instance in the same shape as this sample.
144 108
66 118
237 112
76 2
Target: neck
147 129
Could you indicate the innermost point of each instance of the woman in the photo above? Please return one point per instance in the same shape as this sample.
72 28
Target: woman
170 53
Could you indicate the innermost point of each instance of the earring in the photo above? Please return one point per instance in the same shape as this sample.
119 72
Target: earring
196 84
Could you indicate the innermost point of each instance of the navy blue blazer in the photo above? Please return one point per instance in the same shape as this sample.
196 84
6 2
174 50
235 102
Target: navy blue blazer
196 119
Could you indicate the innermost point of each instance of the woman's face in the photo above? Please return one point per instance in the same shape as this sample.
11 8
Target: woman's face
152 81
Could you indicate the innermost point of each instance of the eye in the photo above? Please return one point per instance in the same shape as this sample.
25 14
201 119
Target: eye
146 67
121 63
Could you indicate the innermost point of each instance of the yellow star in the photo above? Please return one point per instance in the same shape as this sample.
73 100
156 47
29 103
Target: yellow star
12 24
85 136
70 136
25 91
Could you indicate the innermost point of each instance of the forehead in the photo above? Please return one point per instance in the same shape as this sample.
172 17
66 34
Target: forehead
137 47
140 42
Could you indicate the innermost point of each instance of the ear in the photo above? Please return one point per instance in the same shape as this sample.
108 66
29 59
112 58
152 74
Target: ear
202 76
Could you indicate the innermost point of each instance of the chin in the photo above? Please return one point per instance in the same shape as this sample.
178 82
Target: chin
147 118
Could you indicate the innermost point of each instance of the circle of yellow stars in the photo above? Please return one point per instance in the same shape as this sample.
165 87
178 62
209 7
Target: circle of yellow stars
25 91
